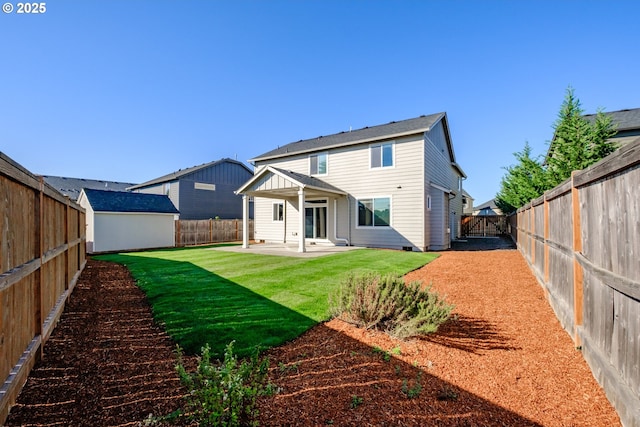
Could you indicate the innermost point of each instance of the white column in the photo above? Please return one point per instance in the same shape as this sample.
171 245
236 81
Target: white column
301 238
245 221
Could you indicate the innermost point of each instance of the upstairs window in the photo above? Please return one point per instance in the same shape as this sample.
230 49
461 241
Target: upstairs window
318 164
382 155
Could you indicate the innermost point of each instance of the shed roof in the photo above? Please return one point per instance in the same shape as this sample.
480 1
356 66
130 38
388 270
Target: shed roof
182 172
71 187
359 136
125 201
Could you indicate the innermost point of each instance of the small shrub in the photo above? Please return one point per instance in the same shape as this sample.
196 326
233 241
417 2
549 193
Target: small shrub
355 401
225 393
387 303
412 392
447 393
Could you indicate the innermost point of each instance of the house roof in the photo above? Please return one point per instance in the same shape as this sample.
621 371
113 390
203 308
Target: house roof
126 201
624 120
359 136
490 204
71 187
182 172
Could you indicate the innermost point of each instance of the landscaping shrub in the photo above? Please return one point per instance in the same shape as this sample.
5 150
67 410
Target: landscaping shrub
387 303
224 393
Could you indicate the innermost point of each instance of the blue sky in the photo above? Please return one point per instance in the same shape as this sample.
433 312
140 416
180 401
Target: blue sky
129 90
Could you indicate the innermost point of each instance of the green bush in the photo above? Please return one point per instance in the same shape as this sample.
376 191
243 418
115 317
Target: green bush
387 303
224 393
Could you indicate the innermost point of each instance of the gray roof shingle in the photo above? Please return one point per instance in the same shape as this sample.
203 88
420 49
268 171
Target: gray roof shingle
125 201
71 187
367 134
310 181
623 119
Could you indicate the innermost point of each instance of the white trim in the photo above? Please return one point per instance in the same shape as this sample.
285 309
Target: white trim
441 188
273 205
393 155
326 153
373 227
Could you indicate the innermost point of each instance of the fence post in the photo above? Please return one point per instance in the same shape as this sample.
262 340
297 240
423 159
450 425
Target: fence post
577 268
532 224
546 240
39 247
67 241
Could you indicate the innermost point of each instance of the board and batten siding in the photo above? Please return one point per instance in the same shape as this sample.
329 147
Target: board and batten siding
202 203
349 170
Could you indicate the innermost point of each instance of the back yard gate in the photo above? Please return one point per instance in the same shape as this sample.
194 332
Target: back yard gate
582 241
484 225
42 254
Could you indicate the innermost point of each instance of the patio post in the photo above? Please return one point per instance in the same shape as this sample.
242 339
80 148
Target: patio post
301 238
245 221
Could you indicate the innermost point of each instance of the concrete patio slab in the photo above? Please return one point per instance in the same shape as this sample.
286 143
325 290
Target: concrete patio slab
282 249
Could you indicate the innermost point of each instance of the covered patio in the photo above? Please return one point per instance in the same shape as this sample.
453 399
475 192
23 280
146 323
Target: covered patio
280 184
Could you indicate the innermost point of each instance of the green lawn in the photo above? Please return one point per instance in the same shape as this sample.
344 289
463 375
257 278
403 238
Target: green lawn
207 296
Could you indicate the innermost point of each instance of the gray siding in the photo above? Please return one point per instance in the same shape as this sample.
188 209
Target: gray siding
439 171
194 203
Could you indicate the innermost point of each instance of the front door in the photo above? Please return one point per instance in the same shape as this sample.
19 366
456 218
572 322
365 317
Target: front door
315 219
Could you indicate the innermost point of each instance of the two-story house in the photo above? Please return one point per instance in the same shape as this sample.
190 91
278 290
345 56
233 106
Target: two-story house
390 186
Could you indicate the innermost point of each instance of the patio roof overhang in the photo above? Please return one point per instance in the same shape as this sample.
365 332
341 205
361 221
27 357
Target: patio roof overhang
275 183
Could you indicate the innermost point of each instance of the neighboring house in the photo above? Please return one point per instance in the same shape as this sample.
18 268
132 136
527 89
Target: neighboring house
467 203
626 124
71 187
203 192
487 208
391 186
121 220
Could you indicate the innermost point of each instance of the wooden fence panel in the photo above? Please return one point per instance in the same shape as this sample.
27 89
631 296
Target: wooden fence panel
41 256
591 270
207 231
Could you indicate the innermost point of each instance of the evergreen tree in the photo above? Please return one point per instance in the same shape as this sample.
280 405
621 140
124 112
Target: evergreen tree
522 183
577 143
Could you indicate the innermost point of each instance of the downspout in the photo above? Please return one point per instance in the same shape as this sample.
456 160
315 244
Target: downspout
335 222
284 222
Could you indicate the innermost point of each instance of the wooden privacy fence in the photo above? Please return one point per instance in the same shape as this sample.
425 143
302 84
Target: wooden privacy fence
582 241
42 255
484 225
204 231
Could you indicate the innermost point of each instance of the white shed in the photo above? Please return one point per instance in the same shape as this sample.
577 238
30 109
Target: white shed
122 220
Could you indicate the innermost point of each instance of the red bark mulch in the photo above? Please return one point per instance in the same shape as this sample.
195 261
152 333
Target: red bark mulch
503 360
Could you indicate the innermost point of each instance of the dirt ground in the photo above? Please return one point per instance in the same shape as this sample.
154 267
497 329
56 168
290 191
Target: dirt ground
503 361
